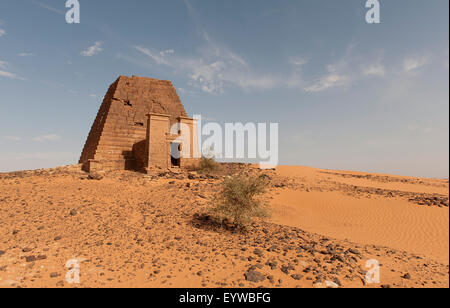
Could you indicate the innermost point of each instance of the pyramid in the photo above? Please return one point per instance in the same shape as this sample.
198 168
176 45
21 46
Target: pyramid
121 121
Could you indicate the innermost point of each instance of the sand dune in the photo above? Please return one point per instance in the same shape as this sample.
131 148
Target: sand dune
391 222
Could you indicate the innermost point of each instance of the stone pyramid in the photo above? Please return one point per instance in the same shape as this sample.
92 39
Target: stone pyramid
122 119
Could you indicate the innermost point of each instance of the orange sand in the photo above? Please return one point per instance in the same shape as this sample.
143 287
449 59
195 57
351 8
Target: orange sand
134 230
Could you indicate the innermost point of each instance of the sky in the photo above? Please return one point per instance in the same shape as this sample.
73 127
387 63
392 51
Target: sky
347 95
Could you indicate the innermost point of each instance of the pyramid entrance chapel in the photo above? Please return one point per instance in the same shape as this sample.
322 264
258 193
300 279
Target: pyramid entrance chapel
132 129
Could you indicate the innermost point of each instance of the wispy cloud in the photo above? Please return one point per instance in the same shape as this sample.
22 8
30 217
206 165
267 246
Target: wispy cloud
48 7
2 32
337 76
298 61
348 70
45 138
413 63
214 69
8 74
158 57
374 70
26 54
92 50
328 81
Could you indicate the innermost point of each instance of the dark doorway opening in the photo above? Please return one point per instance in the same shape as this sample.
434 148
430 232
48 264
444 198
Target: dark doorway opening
175 154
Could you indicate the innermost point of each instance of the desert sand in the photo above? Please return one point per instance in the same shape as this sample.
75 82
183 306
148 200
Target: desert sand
129 229
368 209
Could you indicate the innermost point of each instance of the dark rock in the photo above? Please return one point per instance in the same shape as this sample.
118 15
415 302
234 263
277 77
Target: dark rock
354 251
272 248
319 279
254 276
95 176
54 275
30 258
286 268
297 276
406 276
258 252
337 281
272 264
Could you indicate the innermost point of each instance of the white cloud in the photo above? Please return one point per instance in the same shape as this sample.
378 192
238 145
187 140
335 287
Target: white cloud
334 78
10 75
340 73
49 137
298 61
92 50
158 57
374 70
25 54
7 74
214 69
2 32
328 81
413 63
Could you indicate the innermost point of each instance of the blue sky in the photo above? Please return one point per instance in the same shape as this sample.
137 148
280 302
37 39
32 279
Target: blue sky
347 94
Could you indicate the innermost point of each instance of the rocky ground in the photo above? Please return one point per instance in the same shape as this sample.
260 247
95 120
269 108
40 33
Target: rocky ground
128 229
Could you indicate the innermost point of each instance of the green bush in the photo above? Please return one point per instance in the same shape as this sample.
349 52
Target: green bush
207 165
240 198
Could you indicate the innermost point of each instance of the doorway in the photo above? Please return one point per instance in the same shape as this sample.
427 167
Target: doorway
175 154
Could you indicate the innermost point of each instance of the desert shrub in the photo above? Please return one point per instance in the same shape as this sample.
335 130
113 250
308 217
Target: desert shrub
207 165
240 198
